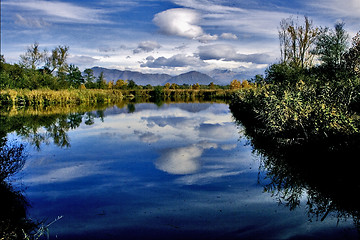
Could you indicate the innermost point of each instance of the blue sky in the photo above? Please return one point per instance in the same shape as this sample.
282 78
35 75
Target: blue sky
163 36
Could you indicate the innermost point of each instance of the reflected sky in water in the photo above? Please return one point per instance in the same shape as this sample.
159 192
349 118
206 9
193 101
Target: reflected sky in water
171 172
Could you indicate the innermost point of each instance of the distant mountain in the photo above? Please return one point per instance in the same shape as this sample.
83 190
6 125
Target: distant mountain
154 79
192 77
225 76
138 77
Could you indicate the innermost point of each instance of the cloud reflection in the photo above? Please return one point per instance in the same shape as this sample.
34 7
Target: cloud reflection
183 160
147 137
206 177
180 160
217 131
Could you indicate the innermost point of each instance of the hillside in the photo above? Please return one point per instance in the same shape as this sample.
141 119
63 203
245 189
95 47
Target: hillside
138 77
154 79
191 78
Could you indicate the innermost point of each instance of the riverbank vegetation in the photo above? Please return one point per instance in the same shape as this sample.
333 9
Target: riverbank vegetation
303 120
45 78
313 92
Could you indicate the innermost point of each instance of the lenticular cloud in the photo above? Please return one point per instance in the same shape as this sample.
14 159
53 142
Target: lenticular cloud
180 22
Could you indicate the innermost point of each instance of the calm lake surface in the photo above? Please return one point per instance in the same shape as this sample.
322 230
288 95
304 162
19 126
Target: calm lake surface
178 171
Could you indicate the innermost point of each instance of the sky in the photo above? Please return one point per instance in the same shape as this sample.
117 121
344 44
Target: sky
164 36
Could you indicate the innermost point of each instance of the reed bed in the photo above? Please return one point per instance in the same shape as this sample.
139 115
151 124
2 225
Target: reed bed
46 97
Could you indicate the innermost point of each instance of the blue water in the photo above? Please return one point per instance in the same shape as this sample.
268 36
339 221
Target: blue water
179 171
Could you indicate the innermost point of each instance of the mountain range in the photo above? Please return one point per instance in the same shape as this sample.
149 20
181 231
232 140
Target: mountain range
220 77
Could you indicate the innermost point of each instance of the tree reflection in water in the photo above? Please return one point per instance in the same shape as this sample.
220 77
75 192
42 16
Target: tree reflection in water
13 218
323 172
37 130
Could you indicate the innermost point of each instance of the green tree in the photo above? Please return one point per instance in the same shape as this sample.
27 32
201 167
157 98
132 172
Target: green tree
101 82
131 84
331 46
89 75
89 78
74 77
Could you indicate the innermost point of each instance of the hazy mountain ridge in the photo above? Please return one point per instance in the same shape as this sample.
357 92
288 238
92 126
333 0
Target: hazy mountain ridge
217 76
192 77
138 77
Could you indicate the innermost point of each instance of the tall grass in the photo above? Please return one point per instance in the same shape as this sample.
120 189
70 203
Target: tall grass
25 97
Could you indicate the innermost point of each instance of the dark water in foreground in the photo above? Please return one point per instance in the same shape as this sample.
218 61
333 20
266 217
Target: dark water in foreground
179 171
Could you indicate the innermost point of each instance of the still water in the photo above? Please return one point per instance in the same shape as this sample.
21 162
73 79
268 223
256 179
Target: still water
175 171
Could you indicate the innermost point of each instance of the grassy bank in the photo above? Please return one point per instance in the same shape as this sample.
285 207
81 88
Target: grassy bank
45 97
25 97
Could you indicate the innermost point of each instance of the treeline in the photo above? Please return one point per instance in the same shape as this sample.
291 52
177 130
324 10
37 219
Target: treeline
39 69
313 92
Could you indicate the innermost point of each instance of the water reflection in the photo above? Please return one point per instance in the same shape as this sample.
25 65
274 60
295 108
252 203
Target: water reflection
175 171
14 222
320 172
44 129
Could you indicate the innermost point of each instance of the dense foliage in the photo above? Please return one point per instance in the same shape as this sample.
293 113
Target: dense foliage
303 119
298 100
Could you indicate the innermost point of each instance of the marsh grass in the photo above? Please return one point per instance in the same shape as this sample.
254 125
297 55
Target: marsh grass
12 99
45 97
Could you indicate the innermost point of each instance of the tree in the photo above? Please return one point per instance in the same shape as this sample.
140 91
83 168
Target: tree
120 84
101 82
195 86
174 86
352 57
74 78
245 84
167 86
331 46
33 57
89 75
89 78
235 84
58 59
131 84
110 84
297 42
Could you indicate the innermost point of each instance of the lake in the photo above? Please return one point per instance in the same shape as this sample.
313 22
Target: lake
144 171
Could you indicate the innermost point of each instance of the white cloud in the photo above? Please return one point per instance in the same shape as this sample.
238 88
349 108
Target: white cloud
228 36
207 37
209 6
179 60
147 46
60 11
229 53
82 60
182 22
350 8
31 22
228 146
